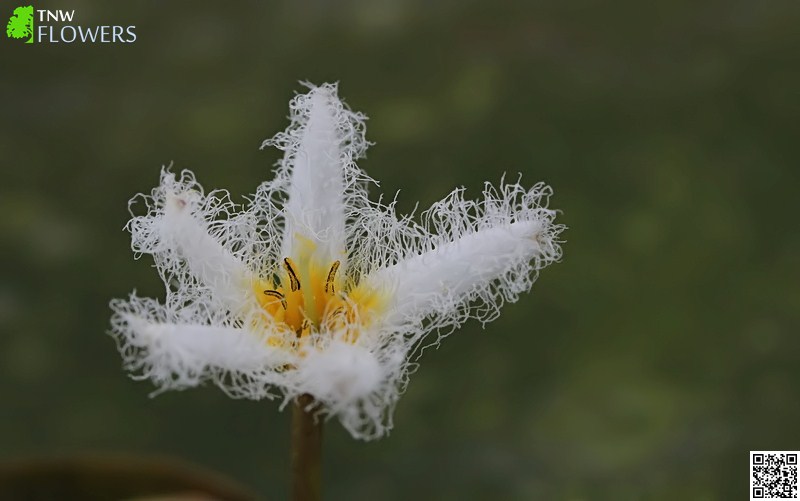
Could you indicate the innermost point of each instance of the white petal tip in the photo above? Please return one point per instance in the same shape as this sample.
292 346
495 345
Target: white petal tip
175 203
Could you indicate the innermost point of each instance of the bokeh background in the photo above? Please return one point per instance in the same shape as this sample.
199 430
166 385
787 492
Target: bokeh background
644 366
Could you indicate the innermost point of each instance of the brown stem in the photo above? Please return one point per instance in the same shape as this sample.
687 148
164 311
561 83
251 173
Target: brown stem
306 451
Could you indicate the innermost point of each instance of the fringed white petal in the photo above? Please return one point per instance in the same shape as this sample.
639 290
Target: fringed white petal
441 278
320 145
177 355
341 373
212 264
353 383
192 236
465 260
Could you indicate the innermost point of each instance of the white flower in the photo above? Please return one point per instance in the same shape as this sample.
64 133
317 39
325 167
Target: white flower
311 287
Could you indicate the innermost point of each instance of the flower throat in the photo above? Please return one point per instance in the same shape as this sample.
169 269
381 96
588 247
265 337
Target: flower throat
306 300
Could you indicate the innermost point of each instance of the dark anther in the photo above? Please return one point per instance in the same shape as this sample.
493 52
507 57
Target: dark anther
276 295
329 286
295 282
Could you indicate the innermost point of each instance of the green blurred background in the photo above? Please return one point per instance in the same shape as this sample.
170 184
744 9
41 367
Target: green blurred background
644 366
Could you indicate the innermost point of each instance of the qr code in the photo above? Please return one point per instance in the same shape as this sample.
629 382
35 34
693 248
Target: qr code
773 475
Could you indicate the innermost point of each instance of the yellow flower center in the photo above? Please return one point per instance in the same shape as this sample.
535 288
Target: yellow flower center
313 298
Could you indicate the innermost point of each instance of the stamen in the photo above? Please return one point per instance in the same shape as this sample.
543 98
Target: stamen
329 286
295 282
335 314
276 295
305 329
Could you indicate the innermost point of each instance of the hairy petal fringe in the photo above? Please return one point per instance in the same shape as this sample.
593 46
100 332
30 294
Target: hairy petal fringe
352 382
158 343
196 238
317 178
464 261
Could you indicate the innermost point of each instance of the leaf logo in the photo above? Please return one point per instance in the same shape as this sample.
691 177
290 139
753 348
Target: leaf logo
20 25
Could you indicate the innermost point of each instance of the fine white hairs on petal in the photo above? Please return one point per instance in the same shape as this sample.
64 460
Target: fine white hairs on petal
320 145
212 264
184 232
341 372
455 269
353 383
160 344
465 260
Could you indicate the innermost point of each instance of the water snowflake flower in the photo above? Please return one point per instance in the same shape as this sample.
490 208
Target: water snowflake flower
311 288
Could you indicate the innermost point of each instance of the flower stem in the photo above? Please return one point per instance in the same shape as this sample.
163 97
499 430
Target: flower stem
306 451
